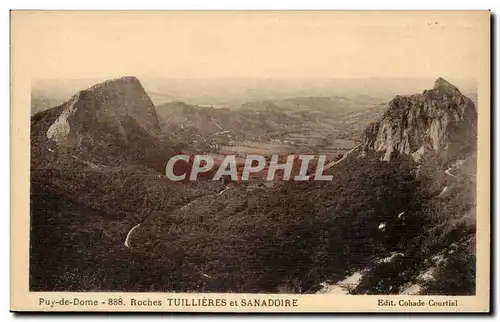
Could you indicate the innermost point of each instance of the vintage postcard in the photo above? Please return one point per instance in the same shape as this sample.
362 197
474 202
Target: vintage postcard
260 161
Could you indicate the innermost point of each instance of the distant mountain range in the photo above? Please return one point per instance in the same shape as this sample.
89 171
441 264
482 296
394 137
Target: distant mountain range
233 92
237 124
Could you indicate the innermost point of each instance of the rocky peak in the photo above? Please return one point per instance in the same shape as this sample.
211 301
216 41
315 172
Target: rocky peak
103 110
443 86
440 119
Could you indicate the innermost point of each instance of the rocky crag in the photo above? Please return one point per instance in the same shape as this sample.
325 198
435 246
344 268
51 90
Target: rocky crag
113 122
440 119
110 104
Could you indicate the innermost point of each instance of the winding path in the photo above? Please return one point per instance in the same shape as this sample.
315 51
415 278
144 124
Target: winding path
443 191
333 163
226 189
127 239
447 171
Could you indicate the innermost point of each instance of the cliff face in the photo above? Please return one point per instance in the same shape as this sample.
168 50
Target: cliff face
440 119
106 106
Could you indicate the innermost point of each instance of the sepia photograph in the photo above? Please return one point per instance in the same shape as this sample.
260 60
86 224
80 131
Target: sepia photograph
275 156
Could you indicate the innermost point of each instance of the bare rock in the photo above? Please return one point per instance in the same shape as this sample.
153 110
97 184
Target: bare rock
103 110
440 119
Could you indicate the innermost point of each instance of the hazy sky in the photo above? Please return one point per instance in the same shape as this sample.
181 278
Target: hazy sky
66 45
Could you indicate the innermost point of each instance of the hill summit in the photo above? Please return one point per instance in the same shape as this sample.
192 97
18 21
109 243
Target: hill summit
106 106
113 122
440 119
442 86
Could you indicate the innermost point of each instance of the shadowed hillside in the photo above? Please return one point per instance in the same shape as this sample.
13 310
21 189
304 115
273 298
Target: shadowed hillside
101 207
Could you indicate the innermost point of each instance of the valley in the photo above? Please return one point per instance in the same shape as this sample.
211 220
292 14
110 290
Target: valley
102 207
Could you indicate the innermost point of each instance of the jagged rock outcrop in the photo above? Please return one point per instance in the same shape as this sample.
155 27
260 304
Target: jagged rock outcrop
106 106
440 119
